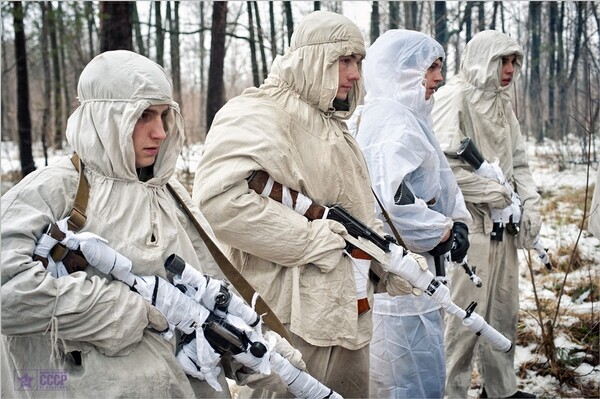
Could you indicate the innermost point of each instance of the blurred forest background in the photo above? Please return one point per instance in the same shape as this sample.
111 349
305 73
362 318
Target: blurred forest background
213 50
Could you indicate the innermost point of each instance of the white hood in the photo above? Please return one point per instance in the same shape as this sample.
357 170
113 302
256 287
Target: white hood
104 143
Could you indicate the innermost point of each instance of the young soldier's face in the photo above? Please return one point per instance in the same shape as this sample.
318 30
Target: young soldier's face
433 78
508 69
148 135
349 73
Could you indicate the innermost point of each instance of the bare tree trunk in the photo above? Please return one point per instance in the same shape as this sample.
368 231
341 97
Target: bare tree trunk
139 39
77 56
252 41
481 15
465 21
502 17
581 23
216 86
91 26
561 73
175 58
394 10
58 103
8 103
494 15
116 26
441 30
148 37
552 39
374 34
261 44
468 22
160 34
289 19
47 111
63 64
411 11
535 121
23 115
202 57
272 33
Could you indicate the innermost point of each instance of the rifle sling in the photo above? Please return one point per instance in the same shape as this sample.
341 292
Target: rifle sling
72 260
389 221
233 275
77 217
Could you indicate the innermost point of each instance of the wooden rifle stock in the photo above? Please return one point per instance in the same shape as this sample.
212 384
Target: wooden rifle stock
258 181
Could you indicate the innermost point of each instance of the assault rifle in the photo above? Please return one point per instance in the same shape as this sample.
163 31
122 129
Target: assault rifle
201 308
396 260
511 215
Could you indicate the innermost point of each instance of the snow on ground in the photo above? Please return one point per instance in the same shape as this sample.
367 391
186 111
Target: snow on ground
560 229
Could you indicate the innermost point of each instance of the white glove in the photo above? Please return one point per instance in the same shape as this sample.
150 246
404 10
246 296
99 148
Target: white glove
515 208
499 194
333 249
491 171
531 224
156 319
285 349
396 285
411 267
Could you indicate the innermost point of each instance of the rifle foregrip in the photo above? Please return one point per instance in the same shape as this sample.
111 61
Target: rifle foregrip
258 180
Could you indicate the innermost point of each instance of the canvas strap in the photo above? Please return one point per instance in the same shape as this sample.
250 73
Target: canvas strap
233 275
77 217
72 260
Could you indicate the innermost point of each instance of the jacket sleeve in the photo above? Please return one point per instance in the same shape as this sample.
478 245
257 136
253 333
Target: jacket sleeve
523 179
78 308
449 128
243 218
460 213
390 162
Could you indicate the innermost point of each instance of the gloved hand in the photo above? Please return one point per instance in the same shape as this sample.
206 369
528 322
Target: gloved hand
396 285
411 267
496 195
156 319
285 349
331 252
460 245
442 248
531 223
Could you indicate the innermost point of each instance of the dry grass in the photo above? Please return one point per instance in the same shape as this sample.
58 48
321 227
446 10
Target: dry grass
564 256
567 207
